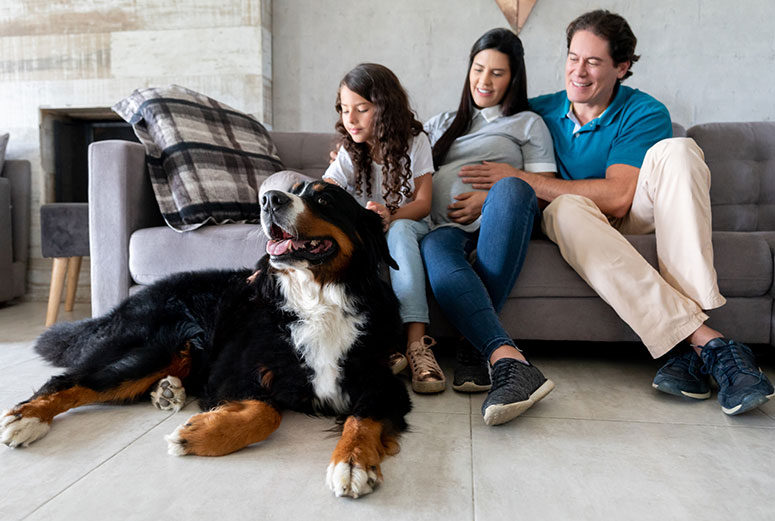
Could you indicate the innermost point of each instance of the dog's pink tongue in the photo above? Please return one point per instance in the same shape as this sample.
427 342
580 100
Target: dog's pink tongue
278 247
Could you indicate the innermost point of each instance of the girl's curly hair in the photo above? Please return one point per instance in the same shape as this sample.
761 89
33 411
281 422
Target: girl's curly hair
394 124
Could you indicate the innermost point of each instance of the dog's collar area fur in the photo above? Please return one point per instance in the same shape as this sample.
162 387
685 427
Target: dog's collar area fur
327 327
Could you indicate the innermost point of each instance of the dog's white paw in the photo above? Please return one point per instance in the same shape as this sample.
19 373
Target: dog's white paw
176 445
18 431
169 394
346 479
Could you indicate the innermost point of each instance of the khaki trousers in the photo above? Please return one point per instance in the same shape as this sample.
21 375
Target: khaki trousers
672 199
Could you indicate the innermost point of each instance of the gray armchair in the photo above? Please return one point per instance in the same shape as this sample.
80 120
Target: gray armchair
15 192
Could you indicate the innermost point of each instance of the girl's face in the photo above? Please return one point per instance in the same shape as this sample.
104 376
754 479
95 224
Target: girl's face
489 77
357 115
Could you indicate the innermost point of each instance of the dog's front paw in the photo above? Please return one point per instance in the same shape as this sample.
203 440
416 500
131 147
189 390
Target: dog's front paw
169 394
19 431
346 478
177 444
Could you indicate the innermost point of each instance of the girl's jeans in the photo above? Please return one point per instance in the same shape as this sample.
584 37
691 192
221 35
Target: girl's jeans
403 237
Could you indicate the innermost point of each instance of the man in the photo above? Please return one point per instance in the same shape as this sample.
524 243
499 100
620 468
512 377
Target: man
618 173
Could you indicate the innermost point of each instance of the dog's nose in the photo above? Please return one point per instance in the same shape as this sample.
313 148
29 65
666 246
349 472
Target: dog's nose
274 199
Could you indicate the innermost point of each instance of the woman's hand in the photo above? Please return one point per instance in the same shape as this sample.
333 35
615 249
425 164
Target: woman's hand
467 207
483 176
382 211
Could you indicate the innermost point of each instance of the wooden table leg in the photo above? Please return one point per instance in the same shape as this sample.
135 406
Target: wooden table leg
73 270
55 292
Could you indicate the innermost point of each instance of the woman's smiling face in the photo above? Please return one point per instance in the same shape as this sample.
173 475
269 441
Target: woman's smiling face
489 78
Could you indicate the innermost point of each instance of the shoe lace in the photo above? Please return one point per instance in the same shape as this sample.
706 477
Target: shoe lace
681 362
504 375
725 362
421 356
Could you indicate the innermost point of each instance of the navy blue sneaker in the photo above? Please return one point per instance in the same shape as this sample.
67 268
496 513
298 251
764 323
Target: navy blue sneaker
742 385
682 376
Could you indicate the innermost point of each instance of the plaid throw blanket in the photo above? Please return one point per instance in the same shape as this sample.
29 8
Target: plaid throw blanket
206 160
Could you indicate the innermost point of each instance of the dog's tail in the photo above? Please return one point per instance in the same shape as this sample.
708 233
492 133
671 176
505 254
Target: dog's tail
63 344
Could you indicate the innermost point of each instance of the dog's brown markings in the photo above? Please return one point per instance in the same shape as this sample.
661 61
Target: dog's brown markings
266 377
365 443
311 226
253 277
46 406
229 428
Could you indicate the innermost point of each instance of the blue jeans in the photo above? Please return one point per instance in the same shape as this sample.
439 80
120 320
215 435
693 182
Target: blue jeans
403 237
472 296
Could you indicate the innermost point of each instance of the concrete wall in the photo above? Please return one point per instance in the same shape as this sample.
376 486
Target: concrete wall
707 60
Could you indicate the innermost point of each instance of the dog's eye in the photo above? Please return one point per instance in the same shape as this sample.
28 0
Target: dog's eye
322 201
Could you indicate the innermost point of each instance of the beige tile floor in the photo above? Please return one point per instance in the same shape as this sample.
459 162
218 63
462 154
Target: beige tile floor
603 445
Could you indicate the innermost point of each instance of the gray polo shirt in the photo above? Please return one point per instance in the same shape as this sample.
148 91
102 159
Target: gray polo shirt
520 140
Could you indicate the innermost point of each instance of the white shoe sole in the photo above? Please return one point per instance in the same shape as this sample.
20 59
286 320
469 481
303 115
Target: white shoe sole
498 414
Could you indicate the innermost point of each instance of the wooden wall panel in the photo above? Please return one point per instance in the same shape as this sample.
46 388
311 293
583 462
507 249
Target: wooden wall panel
234 50
54 57
40 17
92 53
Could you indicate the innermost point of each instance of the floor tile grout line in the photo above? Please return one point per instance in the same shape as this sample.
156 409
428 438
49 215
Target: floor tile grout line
644 422
471 454
109 458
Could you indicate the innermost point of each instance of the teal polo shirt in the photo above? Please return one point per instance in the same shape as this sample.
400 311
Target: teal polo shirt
622 134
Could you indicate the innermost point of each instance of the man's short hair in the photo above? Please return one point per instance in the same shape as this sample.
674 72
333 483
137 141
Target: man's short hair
614 29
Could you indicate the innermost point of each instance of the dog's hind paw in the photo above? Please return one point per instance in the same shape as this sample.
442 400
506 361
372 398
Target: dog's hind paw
169 394
348 479
18 431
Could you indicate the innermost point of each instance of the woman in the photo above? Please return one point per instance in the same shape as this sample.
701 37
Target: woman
480 208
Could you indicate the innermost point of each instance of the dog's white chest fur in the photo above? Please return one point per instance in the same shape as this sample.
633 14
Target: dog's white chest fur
327 328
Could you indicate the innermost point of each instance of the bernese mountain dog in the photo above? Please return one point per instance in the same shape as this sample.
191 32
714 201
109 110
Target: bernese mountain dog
310 331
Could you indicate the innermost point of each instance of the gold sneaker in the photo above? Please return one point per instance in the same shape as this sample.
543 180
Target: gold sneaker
427 376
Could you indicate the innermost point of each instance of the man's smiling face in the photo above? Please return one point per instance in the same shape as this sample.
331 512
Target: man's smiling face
590 72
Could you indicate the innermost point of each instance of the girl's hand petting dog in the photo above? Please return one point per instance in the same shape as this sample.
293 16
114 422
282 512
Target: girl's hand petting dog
382 211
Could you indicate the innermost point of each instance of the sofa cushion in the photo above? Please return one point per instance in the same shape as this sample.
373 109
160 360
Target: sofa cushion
744 264
206 160
305 152
741 158
160 251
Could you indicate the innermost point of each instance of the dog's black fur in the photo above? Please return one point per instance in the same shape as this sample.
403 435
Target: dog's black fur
235 331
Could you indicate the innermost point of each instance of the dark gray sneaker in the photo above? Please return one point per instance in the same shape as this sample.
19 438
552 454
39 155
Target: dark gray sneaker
742 386
682 376
515 388
472 374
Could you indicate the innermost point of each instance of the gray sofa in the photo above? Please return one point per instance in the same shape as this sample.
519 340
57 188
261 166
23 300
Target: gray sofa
131 246
15 190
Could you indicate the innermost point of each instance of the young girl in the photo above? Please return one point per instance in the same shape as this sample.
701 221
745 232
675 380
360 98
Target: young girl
385 161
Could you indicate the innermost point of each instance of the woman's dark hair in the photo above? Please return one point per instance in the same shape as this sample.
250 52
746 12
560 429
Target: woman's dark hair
612 28
514 100
394 124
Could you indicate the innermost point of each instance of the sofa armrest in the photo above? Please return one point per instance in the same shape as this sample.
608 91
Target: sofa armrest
121 201
17 171
6 236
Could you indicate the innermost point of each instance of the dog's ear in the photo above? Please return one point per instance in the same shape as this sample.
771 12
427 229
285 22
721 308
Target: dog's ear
370 231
